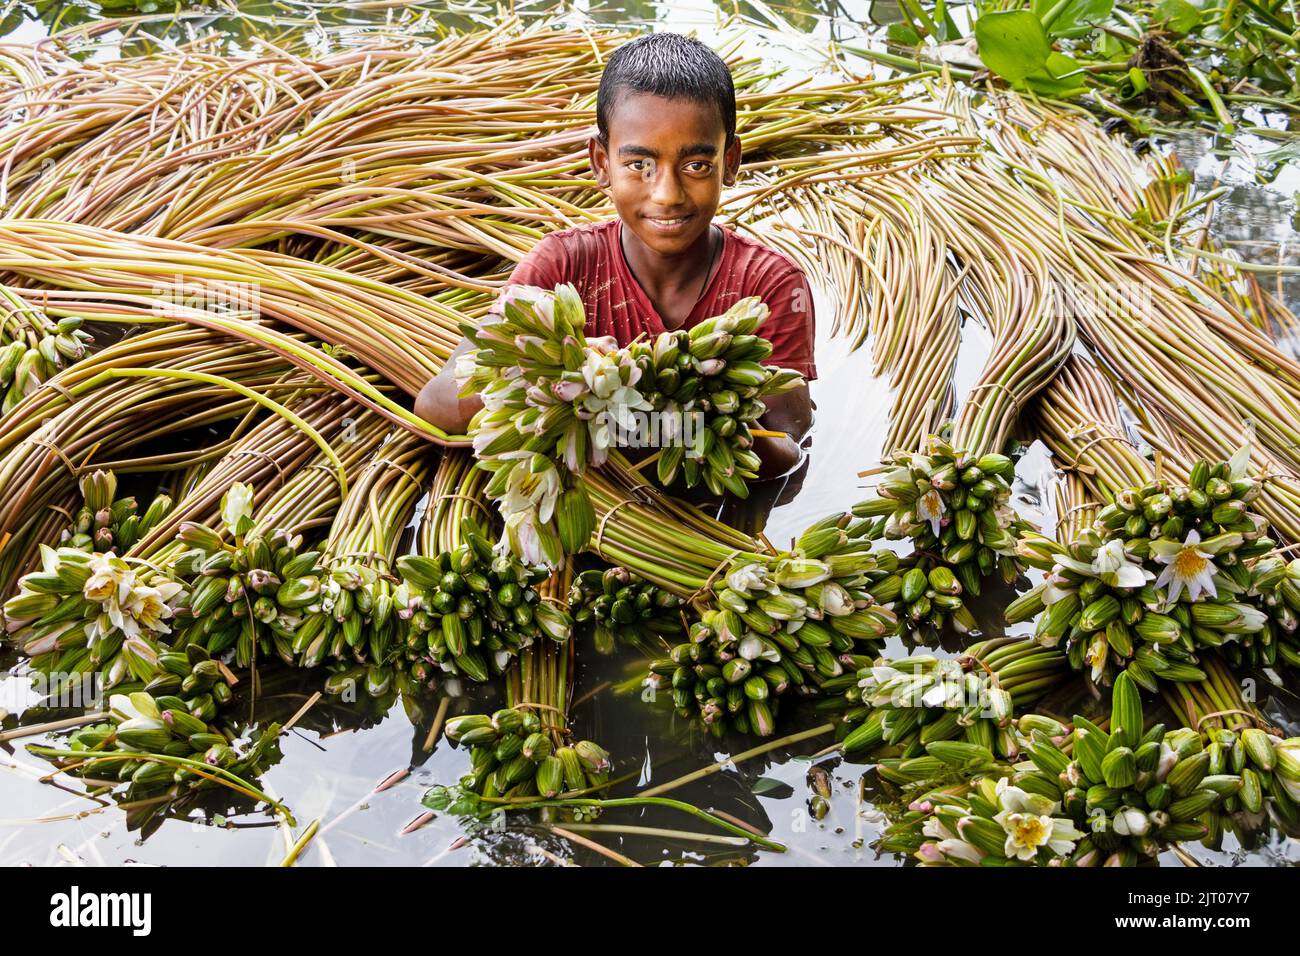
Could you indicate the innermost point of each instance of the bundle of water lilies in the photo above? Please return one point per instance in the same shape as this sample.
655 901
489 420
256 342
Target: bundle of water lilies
355 627
622 608
1165 572
787 623
555 402
1088 796
83 612
253 591
901 706
475 607
107 523
512 755
952 505
153 742
33 347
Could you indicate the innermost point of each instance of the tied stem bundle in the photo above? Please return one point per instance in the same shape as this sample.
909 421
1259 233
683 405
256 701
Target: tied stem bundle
903 708
953 507
1089 796
467 608
1164 573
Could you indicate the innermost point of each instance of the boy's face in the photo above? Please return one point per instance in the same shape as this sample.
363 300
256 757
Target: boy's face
664 168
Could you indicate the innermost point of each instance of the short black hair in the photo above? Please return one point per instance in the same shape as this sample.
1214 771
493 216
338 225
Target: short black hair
668 65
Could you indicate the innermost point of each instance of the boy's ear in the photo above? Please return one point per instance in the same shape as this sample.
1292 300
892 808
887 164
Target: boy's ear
731 162
599 158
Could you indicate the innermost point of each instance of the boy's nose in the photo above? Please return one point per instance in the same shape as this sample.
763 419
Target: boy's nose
666 188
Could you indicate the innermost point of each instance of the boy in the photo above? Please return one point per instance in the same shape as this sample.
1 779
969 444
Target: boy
665 146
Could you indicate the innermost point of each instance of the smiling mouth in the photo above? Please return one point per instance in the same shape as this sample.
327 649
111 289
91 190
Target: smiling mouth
668 223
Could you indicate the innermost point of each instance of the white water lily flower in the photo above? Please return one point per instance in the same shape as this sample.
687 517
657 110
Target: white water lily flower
624 404
1130 821
946 694
600 439
1239 463
935 828
1070 563
936 696
835 599
466 366
113 617
522 537
1186 566
1252 619
1027 832
1095 656
122 705
602 374
236 504
517 294
141 723
748 579
1005 515
1015 800
111 579
883 673
544 310
149 607
1113 565
929 855
949 669
612 379
494 400
959 849
527 490
603 344
750 647
1056 588
930 507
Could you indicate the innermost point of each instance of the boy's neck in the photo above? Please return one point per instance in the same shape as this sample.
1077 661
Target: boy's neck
664 276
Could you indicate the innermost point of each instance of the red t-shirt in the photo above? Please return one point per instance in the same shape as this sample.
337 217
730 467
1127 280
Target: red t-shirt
591 257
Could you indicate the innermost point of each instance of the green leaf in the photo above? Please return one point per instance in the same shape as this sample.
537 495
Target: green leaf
902 34
1055 79
885 11
1012 44
947 26
1075 18
1178 15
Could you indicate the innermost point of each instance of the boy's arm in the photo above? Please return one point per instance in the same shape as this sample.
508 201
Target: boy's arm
790 412
791 330
439 402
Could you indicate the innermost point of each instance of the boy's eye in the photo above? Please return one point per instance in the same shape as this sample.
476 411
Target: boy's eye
699 166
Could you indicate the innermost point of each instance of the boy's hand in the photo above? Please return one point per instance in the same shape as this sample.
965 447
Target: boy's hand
439 402
789 412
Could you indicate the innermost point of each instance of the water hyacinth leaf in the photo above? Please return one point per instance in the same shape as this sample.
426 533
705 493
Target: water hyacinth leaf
902 34
1012 44
885 11
1178 16
1061 76
1071 18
